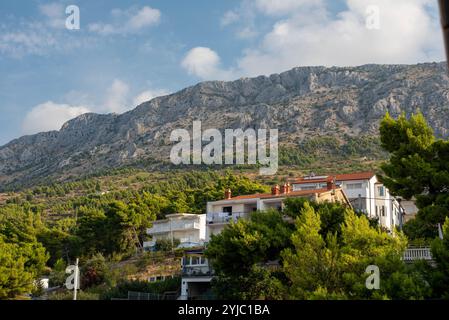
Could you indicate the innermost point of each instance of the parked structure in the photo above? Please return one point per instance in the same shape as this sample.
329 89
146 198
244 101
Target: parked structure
365 192
189 229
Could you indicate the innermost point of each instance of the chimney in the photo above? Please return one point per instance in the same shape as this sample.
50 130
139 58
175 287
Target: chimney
285 189
331 184
275 190
228 194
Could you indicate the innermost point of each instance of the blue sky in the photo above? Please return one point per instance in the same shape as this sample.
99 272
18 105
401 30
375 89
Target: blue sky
126 52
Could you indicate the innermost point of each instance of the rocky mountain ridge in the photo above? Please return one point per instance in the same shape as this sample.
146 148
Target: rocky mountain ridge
302 103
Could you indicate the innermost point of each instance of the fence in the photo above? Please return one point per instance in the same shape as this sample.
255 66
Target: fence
413 254
133 295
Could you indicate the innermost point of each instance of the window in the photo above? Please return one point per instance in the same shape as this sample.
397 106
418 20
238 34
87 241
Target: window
195 260
353 186
381 191
227 210
382 210
377 211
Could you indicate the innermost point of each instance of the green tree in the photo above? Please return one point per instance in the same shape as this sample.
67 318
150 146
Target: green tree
312 264
238 256
418 167
321 267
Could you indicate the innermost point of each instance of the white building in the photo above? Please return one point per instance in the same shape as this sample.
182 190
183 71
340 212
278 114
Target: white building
196 271
365 192
189 229
221 213
196 275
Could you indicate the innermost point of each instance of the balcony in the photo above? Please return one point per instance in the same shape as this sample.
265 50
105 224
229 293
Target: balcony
414 254
173 226
224 217
197 271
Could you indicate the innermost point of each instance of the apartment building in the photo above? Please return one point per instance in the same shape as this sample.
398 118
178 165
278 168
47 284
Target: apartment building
365 192
196 271
189 229
221 213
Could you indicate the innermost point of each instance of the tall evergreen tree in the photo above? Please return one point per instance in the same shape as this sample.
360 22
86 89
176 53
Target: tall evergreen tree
419 168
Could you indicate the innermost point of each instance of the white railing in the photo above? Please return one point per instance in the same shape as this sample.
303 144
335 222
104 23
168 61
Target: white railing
175 226
224 217
413 254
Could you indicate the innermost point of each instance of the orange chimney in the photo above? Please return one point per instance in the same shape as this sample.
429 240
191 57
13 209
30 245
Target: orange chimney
285 188
331 183
228 194
275 190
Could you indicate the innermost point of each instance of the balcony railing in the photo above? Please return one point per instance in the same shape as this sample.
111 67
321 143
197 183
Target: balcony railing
197 271
224 217
413 254
175 226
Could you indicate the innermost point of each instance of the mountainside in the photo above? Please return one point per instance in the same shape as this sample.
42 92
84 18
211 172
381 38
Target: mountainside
303 103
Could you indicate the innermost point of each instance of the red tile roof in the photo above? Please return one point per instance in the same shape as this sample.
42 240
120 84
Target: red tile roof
338 177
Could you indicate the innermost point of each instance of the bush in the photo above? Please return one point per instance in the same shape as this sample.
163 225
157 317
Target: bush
166 245
159 288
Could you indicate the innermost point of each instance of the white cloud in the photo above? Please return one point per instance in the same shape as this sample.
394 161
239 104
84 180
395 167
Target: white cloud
309 34
55 14
50 116
407 34
276 7
127 21
148 95
117 97
146 17
229 18
242 20
205 63
33 40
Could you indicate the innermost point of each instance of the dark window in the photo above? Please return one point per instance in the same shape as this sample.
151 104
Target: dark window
227 210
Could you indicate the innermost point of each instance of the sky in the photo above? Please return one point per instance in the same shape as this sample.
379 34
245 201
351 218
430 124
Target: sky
128 52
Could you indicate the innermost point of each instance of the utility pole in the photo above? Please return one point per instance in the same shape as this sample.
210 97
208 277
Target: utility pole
171 233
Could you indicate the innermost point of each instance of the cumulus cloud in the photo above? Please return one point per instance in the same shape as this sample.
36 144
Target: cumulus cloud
50 116
148 95
205 63
407 34
117 97
307 33
127 21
